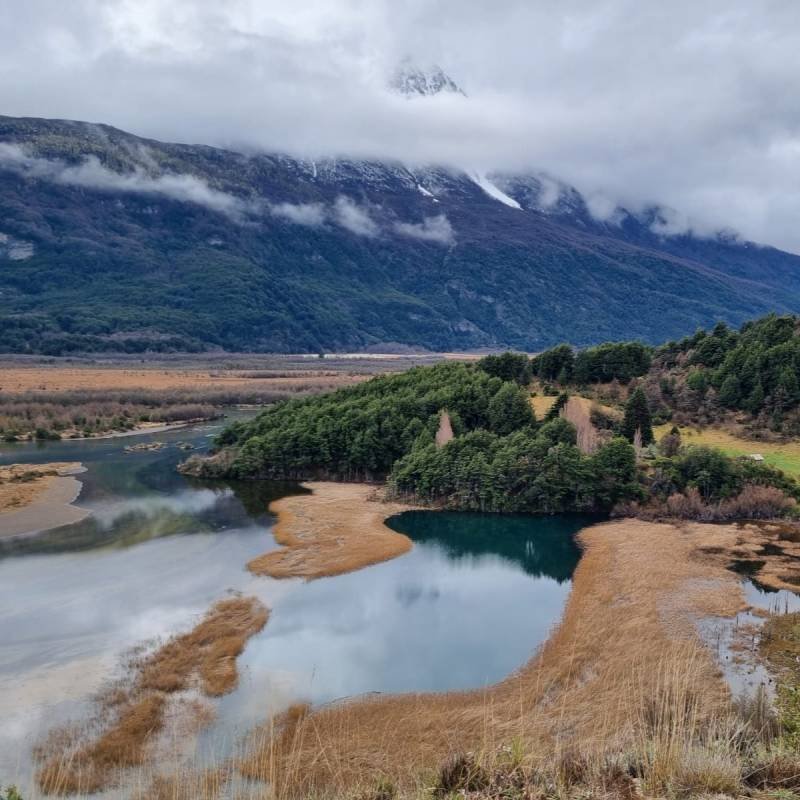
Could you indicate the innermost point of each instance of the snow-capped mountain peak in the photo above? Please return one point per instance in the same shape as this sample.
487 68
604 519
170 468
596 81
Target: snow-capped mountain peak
412 81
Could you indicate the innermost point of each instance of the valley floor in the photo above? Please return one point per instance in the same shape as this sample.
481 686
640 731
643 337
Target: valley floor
91 397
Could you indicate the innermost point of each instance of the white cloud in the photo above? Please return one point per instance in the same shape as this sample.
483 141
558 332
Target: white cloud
700 115
431 229
354 218
91 174
310 214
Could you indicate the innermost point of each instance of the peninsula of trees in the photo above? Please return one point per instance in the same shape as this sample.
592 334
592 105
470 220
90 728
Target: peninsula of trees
502 458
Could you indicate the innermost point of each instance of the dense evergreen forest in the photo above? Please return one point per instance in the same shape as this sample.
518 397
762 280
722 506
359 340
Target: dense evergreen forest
501 458
754 370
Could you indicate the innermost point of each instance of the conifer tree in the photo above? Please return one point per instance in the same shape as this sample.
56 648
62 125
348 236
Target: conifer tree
509 410
637 418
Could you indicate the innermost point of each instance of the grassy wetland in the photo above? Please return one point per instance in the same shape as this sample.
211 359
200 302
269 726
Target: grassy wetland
74 397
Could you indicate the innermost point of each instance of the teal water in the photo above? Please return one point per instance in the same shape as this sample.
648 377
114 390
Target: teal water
469 604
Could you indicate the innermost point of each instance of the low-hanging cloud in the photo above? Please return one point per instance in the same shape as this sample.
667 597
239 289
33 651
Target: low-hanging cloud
699 116
354 218
91 174
312 215
431 229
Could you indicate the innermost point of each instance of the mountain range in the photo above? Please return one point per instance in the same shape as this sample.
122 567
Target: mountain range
112 242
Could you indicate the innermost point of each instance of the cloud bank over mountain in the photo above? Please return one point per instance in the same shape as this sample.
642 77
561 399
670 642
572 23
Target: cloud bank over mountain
688 104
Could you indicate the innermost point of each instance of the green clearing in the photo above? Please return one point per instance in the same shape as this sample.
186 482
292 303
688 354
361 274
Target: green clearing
783 455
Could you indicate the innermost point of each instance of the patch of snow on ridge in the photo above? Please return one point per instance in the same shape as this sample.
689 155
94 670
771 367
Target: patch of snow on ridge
427 193
494 192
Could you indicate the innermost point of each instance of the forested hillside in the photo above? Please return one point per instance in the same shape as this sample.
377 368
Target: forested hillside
110 242
497 456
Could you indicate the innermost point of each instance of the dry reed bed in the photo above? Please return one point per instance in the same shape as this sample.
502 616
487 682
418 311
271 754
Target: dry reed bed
52 379
75 760
578 411
626 642
22 484
339 528
76 402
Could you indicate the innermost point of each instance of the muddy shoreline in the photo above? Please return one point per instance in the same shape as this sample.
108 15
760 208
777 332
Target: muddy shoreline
43 501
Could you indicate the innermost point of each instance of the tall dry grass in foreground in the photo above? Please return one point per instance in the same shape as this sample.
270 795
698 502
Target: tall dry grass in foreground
674 748
673 745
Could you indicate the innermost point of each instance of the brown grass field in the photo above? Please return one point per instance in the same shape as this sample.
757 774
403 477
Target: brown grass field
542 404
222 370
91 759
338 528
17 380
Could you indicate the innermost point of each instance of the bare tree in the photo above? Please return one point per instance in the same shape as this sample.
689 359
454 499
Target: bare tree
445 432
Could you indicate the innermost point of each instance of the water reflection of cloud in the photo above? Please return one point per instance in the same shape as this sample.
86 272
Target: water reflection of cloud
189 501
67 618
422 622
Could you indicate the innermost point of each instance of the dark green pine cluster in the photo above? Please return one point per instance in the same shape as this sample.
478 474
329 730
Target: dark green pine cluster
754 369
501 459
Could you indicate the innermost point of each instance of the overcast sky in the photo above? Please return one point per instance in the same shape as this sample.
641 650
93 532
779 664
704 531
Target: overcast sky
694 104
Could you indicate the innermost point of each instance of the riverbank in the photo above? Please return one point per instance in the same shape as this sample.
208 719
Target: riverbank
36 497
338 528
626 653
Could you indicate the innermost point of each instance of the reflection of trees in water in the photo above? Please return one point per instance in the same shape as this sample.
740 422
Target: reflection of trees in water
236 504
542 546
255 496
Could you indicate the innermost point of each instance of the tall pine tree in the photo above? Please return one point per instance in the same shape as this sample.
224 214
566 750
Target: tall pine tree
637 418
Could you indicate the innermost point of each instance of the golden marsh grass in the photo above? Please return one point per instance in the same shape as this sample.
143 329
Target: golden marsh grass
339 528
627 636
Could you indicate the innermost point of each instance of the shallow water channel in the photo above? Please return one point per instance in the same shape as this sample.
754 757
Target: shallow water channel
464 608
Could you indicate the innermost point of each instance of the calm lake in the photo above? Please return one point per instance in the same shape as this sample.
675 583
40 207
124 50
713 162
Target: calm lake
464 608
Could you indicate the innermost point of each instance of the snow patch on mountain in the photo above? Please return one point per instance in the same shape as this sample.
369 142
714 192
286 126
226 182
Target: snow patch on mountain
494 192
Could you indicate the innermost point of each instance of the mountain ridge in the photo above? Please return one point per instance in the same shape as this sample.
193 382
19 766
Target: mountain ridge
116 241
